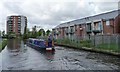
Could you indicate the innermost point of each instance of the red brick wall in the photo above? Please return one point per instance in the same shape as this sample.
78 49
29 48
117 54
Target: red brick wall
62 32
107 28
117 24
83 29
13 24
16 25
60 29
77 30
114 24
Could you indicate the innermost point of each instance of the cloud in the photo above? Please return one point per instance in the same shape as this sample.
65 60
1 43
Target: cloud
50 13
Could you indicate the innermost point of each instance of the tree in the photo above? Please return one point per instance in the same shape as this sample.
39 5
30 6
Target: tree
3 33
48 32
11 34
41 32
28 32
0 33
34 32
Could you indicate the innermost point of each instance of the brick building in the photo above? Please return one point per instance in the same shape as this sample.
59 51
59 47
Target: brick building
105 23
16 24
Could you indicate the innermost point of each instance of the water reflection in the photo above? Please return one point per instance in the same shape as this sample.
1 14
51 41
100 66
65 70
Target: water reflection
14 45
48 55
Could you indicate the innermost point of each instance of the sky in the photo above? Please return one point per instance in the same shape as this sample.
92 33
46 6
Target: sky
48 14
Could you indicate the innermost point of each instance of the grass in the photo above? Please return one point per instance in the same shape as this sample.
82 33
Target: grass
86 43
3 43
113 47
74 43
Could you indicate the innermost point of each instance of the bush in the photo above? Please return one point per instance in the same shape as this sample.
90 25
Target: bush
74 43
3 44
86 43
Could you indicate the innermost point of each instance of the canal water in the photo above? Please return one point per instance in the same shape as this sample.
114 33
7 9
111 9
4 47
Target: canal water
18 56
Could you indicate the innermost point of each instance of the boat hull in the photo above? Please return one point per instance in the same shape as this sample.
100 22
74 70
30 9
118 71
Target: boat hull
41 48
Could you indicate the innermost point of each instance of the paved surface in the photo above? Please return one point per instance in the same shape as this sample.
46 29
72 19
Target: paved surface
20 57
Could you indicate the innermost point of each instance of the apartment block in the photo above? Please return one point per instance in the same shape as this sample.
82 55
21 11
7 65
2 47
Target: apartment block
105 23
16 24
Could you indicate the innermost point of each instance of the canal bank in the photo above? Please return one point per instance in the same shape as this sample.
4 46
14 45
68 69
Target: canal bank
3 43
102 44
96 50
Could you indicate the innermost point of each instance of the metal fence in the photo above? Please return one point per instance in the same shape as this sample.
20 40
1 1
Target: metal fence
107 42
104 42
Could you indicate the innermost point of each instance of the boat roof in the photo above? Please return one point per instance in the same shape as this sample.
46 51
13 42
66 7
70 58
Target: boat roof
36 39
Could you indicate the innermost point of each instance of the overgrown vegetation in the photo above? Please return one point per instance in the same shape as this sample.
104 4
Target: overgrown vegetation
3 43
113 47
74 43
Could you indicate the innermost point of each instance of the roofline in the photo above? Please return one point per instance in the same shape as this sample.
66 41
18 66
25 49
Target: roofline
89 16
15 15
93 15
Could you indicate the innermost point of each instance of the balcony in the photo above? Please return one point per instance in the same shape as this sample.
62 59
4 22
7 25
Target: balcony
9 22
88 30
19 21
96 31
97 28
66 30
72 30
11 18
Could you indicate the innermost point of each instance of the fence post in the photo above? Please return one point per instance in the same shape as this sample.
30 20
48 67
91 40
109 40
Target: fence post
117 42
94 41
109 42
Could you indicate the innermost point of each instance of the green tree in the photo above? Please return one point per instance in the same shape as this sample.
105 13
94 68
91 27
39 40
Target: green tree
29 33
3 33
0 33
48 32
34 32
41 32
11 34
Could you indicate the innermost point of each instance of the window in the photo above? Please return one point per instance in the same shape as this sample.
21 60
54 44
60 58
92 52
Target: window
89 26
100 26
107 22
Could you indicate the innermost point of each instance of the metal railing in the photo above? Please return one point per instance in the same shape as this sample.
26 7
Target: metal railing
104 42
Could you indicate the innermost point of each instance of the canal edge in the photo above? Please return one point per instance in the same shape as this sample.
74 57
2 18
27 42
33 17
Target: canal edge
91 50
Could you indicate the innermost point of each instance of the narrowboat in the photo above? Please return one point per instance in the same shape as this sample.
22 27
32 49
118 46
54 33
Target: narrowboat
41 44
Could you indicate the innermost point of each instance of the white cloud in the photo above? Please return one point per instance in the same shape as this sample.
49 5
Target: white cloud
49 13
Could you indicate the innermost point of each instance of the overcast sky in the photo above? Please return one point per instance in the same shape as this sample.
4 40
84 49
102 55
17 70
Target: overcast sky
50 13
